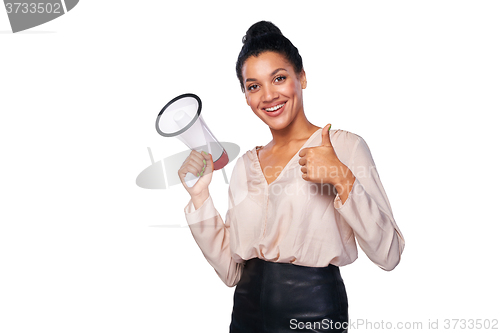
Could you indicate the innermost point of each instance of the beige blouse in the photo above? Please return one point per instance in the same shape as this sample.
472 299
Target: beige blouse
296 221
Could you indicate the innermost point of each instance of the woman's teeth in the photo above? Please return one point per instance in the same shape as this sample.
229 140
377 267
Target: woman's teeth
277 107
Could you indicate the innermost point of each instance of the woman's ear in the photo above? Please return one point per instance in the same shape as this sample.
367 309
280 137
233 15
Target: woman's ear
303 79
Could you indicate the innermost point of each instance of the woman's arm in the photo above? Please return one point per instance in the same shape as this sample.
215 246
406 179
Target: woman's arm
361 199
212 236
368 212
210 232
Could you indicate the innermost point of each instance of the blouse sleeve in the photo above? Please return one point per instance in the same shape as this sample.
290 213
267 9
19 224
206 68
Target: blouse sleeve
212 236
368 212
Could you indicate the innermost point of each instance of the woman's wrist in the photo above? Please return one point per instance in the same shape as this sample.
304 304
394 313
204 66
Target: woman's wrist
343 183
199 198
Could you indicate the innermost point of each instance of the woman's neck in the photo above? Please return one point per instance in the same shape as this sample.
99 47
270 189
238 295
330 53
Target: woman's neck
298 130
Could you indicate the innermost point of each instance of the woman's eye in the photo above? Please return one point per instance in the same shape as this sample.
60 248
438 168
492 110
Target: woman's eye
252 87
280 78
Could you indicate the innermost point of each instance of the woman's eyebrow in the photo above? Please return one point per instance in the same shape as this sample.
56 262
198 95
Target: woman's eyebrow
272 74
277 70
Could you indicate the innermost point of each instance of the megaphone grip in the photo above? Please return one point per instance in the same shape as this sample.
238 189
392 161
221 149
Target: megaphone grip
190 179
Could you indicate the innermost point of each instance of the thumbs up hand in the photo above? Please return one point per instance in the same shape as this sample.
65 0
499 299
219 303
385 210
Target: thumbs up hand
321 165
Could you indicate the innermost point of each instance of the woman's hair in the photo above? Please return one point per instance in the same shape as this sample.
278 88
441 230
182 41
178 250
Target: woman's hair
264 36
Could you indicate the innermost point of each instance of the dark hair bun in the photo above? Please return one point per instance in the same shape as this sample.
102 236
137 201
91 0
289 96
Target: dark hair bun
259 29
262 37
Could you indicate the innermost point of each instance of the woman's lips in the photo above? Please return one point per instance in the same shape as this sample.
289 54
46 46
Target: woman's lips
276 110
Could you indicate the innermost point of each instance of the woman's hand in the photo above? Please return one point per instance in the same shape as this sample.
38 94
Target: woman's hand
321 165
199 164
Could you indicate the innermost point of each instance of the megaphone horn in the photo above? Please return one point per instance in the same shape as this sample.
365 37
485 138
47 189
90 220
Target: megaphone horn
181 118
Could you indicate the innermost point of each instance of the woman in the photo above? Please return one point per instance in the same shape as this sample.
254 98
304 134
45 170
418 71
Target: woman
296 205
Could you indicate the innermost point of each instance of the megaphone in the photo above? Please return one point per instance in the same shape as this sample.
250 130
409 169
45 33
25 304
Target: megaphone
181 118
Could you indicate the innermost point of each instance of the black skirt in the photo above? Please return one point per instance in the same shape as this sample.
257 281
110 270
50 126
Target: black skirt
277 297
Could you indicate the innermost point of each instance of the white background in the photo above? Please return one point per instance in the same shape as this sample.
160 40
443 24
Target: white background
84 249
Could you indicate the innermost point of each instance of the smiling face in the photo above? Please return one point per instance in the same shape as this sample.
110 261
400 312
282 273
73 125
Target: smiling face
272 89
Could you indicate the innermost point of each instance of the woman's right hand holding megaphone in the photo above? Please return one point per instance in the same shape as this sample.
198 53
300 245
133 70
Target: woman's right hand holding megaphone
202 165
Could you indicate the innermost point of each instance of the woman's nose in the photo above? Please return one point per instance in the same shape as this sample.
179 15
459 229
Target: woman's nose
269 93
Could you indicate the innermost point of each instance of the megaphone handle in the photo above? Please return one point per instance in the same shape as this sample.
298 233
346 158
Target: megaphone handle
190 179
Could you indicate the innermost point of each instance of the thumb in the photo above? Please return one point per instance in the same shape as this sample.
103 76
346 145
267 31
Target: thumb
325 141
